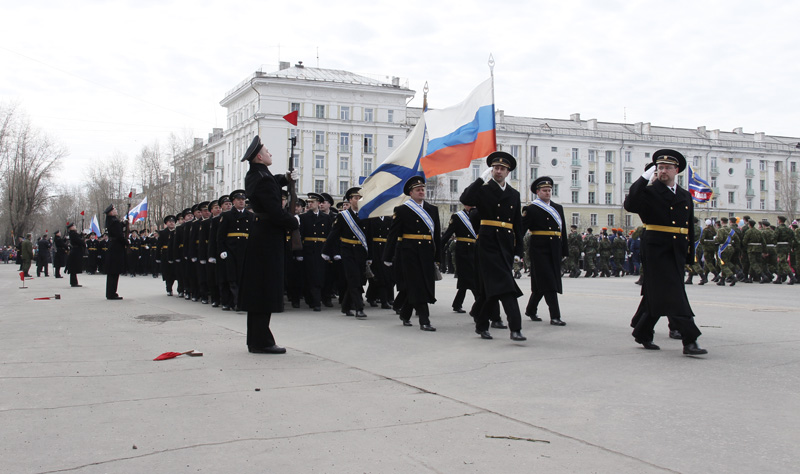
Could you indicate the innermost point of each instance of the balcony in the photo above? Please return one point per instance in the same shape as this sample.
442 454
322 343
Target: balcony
369 149
576 163
715 191
627 186
749 172
750 192
319 171
714 170
345 149
319 147
575 185
794 174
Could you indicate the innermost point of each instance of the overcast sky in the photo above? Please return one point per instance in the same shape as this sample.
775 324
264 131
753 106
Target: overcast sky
113 76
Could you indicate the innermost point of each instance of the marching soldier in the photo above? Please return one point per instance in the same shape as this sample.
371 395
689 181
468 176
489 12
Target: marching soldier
707 240
499 241
466 238
165 246
784 242
417 223
212 252
203 227
348 240
177 252
590 245
381 286
605 254
771 259
92 251
618 247
695 268
133 253
756 248
725 241
575 245
314 228
234 229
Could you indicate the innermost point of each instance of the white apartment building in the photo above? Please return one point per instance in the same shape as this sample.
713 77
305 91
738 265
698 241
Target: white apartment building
349 124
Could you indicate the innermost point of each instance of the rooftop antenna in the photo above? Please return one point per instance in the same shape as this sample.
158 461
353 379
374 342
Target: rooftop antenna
317 57
624 115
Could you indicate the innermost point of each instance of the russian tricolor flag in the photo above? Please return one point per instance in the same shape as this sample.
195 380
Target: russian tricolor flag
95 226
139 212
462 133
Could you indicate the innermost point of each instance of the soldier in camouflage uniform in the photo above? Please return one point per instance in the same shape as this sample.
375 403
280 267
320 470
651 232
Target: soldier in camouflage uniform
795 249
619 247
754 244
589 254
725 241
575 244
604 261
695 268
526 256
709 250
784 238
737 251
770 266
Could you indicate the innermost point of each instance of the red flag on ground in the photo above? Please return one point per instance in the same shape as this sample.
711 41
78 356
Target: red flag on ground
172 355
292 117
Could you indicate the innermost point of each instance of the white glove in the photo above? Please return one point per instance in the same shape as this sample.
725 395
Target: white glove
212 260
158 261
170 261
299 259
325 257
177 260
486 175
369 262
194 259
517 259
337 257
648 173
223 255
202 262
294 174
388 264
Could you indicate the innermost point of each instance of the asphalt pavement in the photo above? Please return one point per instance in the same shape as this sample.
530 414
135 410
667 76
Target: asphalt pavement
80 392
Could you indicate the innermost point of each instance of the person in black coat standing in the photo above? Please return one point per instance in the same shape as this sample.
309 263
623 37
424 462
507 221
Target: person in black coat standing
43 258
544 220
115 257
668 213
60 258
76 253
262 286
499 241
413 246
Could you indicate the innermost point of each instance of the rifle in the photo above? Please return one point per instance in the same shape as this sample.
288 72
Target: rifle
297 244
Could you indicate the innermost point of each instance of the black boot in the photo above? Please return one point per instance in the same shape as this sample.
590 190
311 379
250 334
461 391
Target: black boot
791 279
689 280
716 277
721 282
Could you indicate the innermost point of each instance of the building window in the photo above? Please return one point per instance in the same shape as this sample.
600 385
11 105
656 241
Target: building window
628 177
390 117
344 165
555 189
777 166
793 166
777 204
627 157
611 220
344 185
574 197
453 208
713 163
749 184
608 198
319 162
590 178
608 177
320 112
576 178
591 197
763 205
367 162
593 220
713 181
714 202
344 142
762 165
731 195
534 173
609 156
515 152
554 149
369 115
777 185
344 112
680 181
576 219
628 221
368 140
763 184
647 156
296 160
534 154
453 186
294 107
575 158
592 157
749 203
319 186
391 141
514 175
476 171
748 164
319 141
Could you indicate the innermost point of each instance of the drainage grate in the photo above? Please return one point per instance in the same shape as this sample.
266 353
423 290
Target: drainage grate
163 318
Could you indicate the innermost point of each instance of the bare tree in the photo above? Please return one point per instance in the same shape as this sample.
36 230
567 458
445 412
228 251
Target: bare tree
28 159
153 171
187 160
788 192
106 183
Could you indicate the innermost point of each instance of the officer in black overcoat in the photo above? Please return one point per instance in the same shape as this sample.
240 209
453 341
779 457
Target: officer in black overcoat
201 251
165 244
348 240
466 238
381 285
115 257
499 241
75 259
212 253
667 212
315 226
262 276
177 252
60 257
544 221
234 229
413 243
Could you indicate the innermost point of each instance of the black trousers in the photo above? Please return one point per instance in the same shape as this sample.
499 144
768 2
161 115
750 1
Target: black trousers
258 332
510 306
73 279
422 311
211 282
477 307
550 297
458 301
112 281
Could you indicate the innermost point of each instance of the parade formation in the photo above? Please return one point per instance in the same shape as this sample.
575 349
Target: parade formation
238 252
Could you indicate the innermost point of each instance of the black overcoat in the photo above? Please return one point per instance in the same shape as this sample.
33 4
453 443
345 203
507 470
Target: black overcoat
314 226
497 246
465 251
60 258
664 254
232 231
414 258
115 257
354 256
76 252
545 251
262 277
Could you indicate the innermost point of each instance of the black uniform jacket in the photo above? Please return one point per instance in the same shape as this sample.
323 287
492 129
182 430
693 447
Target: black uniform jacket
545 251
60 258
343 241
497 246
414 255
75 259
314 229
466 244
664 254
232 233
262 276
115 257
